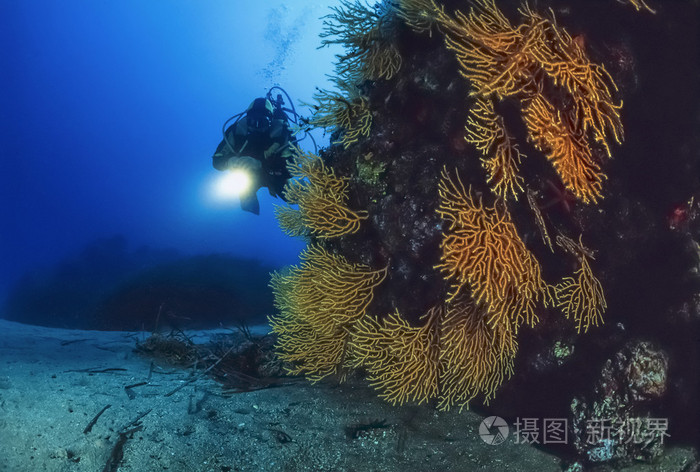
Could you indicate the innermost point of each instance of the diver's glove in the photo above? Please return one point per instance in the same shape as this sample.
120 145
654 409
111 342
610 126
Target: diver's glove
246 163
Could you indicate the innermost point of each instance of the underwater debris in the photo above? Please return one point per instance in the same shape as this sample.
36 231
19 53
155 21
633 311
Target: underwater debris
117 454
129 392
239 363
98 371
125 433
175 348
361 430
93 421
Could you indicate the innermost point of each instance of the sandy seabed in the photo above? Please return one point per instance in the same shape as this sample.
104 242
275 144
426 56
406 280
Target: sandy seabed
54 382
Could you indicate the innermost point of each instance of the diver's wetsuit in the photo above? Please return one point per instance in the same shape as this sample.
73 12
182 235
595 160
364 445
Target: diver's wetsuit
272 147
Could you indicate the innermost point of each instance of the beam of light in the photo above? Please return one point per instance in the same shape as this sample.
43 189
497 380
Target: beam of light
231 185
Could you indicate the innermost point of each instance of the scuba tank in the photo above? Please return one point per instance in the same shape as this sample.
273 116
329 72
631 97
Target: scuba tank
259 116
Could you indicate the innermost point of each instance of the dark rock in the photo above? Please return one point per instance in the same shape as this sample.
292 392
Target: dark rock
620 420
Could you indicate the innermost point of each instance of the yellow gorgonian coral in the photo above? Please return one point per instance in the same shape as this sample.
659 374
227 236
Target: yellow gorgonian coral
590 86
493 55
317 302
419 15
322 200
501 157
639 5
368 38
539 219
291 221
581 297
454 356
482 252
501 60
311 351
401 360
566 149
346 111
498 58
473 359
466 343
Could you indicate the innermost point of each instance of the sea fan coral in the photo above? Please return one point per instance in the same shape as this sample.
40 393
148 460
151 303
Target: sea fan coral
501 61
454 356
494 56
568 151
475 358
322 200
639 5
318 301
501 156
368 38
402 360
482 251
419 15
590 86
344 111
581 297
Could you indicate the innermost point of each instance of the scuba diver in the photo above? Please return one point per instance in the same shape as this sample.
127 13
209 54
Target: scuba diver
259 143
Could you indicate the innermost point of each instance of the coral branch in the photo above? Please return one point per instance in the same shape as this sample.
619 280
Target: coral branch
639 5
322 199
481 250
419 15
494 56
501 60
368 38
589 84
501 156
473 357
581 297
402 360
317 302
568 151
345 110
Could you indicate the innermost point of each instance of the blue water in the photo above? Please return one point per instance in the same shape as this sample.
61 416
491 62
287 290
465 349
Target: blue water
110 112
